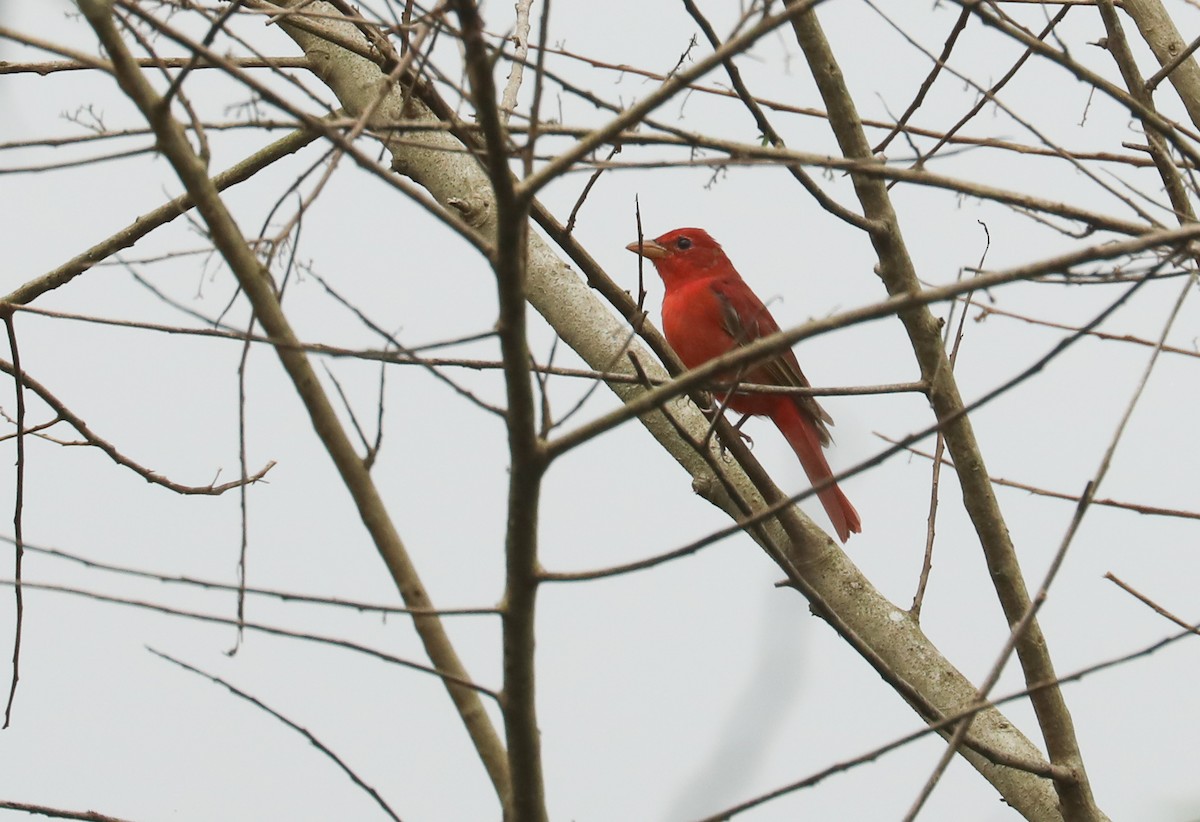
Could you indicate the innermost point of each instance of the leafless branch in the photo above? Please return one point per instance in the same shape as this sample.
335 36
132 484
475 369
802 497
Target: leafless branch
90 438
307 734
282 596
198 616
948 722
899 275
1150 510
18 516
259 289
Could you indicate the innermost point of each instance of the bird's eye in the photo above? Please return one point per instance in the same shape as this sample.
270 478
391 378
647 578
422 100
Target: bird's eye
683 243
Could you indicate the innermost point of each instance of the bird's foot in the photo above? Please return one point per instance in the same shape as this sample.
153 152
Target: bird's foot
737 426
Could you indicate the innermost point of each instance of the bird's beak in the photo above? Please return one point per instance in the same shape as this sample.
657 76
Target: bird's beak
648 249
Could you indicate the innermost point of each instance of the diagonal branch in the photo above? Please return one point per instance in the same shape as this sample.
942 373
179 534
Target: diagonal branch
307 734
160 216
91 438
1177 60
899 276
259 289
445 165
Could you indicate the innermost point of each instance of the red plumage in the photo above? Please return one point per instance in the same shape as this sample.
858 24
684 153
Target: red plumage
708 310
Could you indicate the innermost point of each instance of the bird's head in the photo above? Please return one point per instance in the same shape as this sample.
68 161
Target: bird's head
683 254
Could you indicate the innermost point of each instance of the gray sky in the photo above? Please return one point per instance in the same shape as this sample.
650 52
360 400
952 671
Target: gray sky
667 694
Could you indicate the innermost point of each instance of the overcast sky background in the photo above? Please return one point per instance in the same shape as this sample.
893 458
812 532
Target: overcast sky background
667 694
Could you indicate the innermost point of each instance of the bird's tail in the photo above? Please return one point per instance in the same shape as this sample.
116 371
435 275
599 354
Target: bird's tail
801 434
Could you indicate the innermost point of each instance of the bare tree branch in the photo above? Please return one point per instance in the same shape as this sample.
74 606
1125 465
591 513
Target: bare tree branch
307 734
899 276
526 798
90 438
450 679
259 289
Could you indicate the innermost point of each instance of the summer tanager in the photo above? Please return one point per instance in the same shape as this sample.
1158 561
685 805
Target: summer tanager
708 310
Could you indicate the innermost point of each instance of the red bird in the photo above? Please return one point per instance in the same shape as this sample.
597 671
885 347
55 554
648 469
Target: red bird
708 310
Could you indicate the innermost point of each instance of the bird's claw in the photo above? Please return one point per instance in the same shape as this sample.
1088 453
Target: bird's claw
746 438
707 405
737 426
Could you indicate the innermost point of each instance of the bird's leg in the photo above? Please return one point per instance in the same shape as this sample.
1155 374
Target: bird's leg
714 413
712 410
704 401
737 426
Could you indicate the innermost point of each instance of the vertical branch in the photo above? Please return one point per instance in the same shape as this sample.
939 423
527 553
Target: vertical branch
18 505
899 276
539 86
520 38
243 492
526 449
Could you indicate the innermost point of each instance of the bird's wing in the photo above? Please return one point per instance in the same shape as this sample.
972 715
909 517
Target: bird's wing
746 319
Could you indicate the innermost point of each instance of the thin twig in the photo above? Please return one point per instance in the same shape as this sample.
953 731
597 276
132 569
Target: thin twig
1158 609
198 616
282 596
986 311
767 130
143 225
59 813
259 289
940 447
307 734
949 721
959 27
1176 62
18 516
94 440
1150 510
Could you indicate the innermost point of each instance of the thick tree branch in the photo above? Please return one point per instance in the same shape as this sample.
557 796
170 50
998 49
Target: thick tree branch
441 163
899 277
1159 32
260 290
